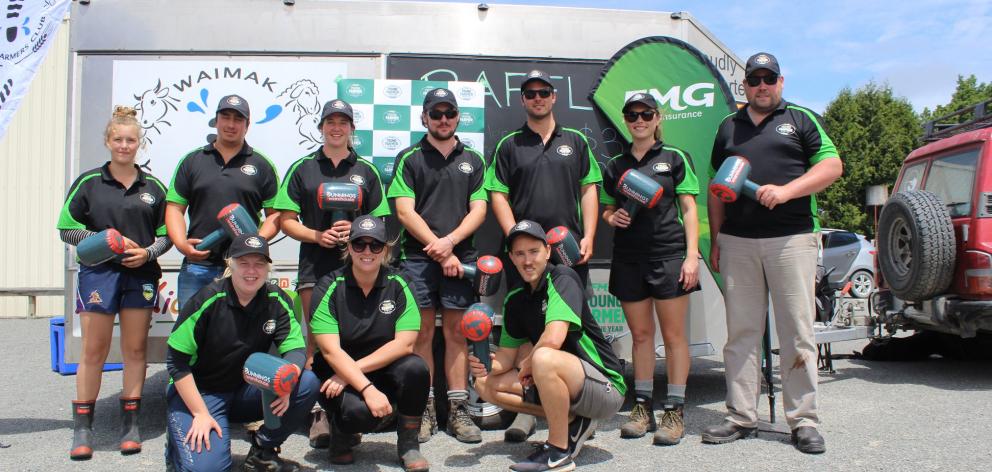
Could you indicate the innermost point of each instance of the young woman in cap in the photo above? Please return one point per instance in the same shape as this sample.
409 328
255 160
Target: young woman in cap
301 217
655 264
217 330
366 322
116 195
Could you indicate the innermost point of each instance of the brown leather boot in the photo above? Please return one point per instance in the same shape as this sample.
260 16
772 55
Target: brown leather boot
407 445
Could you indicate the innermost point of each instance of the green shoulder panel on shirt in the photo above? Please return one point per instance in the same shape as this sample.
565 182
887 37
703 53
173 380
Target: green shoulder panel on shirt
183 338
294 340
594 175
493 183
505 339
157 182
66 220
409 320
383 208
479 193
324 321
827 149
174 196
558 309
605 197
283 200
399 187
689 184
275 175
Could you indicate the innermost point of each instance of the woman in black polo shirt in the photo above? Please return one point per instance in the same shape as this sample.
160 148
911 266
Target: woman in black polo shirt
116 195
366 321
655 265
218 329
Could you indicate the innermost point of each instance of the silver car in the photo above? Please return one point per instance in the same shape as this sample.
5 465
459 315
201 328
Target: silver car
852 257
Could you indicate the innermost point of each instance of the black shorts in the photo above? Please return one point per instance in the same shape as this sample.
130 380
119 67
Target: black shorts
636 281
106 288
432 289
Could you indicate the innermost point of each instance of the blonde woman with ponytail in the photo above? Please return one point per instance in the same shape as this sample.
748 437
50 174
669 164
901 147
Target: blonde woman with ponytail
121 196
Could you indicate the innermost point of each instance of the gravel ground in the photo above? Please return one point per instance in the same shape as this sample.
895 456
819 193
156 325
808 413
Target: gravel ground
931 415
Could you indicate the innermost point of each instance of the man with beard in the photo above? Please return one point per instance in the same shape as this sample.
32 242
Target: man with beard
440 201
546 173
767 247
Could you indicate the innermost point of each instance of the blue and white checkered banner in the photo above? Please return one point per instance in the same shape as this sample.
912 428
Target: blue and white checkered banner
27 29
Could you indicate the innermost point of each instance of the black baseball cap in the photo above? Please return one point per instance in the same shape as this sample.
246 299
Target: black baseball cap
761 60
438 96
368 226
645 99
537 75
236 103
528 227
249 244
337 106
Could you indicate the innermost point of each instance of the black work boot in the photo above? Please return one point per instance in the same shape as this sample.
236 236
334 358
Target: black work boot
82 430
341 445
130 438
808 440
726 432
407 445
263 458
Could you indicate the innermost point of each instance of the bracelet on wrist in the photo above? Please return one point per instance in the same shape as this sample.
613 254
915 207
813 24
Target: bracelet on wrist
362 391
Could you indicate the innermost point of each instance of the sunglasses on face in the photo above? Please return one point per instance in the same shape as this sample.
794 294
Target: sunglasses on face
530 94
631 116
768 79
450 114
375 246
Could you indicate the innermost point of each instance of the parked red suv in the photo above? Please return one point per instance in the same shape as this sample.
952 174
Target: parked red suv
935 231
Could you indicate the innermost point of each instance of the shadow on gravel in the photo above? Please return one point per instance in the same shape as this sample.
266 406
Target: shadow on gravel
11 426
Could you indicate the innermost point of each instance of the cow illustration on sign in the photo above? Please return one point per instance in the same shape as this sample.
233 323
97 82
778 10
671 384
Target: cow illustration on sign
152 106
303 98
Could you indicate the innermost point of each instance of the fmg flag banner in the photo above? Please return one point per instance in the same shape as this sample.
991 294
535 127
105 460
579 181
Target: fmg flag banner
28 29
691 94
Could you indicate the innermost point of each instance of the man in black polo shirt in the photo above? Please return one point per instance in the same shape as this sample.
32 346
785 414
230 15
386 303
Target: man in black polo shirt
546 173
441 201
223 172
572 377
767 247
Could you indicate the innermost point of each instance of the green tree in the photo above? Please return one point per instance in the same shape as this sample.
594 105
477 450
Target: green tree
968 92
873 131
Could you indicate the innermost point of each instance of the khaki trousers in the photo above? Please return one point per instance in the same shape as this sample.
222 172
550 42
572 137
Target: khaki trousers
783 268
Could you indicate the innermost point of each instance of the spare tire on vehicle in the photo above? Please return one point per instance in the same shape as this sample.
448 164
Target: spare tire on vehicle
916 247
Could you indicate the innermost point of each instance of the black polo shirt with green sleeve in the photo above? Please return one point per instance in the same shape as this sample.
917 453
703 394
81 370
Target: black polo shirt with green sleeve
442 189
781 148
96 201
655 233
544 181
219 334
205 184
560 296
363 323
298 193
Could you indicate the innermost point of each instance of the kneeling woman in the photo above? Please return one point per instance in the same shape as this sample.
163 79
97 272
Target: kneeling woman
366 320
218 328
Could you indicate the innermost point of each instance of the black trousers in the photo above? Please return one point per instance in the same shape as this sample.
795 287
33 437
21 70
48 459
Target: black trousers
406 382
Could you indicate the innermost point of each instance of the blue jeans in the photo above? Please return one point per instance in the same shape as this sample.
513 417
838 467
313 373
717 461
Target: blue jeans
193 277
242 406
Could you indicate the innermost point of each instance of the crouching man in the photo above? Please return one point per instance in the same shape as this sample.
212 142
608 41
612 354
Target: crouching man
572 376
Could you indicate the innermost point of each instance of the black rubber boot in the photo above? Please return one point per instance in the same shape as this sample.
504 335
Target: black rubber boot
130 438
407 445
82 430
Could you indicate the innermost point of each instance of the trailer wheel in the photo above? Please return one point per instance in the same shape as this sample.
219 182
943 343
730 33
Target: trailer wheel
916 245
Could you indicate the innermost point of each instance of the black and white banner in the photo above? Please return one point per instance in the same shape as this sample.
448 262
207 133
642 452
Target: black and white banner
28 27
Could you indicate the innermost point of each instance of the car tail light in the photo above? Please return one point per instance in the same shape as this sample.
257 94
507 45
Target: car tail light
978 271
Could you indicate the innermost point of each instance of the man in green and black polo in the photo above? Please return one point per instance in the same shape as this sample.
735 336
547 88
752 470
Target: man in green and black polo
546 173
768 247
207 179
441 201
572 377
